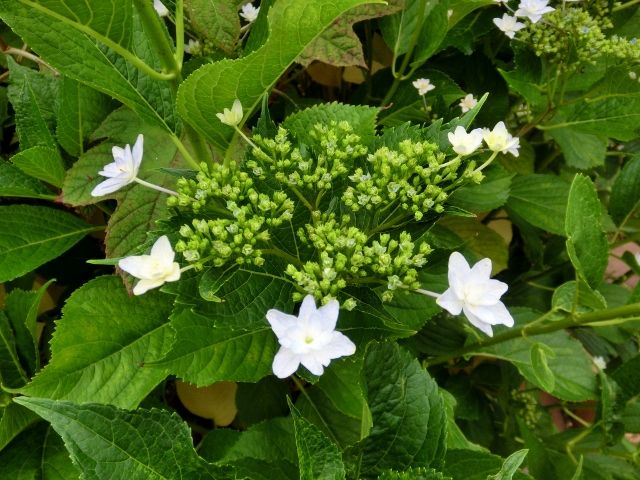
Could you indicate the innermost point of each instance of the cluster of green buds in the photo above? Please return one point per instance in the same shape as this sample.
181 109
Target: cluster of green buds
577 34
413 178
348 256
234 219
338 148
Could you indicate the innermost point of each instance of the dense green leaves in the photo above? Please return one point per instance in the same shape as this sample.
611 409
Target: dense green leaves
293 24
216 21
106 442
106 363
625 194
43 163
33 235
15 183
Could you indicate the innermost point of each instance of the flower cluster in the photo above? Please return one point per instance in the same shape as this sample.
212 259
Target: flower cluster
533 10
498 140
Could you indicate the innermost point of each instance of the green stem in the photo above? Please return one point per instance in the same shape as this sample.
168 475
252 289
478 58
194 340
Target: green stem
301 198
625 5
184 152
179 33
157 35
535 328
153 186
276 252
200 147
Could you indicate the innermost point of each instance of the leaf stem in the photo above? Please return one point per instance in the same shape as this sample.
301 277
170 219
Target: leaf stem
535 328
183 150
153 186
158 36
625 5
179 56
34 58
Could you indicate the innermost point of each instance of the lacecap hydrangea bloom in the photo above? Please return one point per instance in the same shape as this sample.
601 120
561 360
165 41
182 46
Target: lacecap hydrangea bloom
423 85
231 117
123 170
509 25
249 12
467 103
472 292
464 143
533 9
309 339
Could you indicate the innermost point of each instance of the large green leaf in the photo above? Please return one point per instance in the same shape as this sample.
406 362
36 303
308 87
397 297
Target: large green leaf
293 25
12 372
101 345
14 419
68 42
492 193
587 244
318 457
15 183
540 200
43 163
625 194
106 442
580 150
215 21
472 465
33 235
409 425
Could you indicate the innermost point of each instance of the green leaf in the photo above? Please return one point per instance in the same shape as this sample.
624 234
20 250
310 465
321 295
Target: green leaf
540 200
273 400
15 183
492 193
540 366
413 474
43 163
12 372
106 363
205 353
408 413
318 457
37 235
14 419
581 150
399 29
627 376
587 243
625 193
215 21
510 466
472 465
577 297
66 40
81 109
455 436
293 25
106 442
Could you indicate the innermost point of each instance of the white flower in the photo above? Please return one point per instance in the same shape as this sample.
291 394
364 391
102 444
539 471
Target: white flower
153 270
231 117
464 143
533 9
508 24
249 12
600 362
472 291
467 103
160 8
123 170
423 85
309 339
500 140
633 75
192 46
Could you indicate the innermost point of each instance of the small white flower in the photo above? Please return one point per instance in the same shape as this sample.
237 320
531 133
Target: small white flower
231 117
423 85
533 9
600 362
500 140
309 339
472 291
160 8
192 47
449 13
508 24
154 269
249 12
464 143
633 75
124 169
468 102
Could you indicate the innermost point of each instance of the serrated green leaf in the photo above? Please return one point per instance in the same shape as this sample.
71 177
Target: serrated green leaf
577 297
14 419
293 25
587 244
106 442
627 376
399 29
413 474
216 21
15 183
510 466
472 465
34 235
580 150
12 372
540 200
80 110
625 193
68 43
492 193
407 411
318 457
540 366
106 363
455 436
43 163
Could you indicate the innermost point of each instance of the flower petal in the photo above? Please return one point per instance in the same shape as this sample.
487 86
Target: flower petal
162 250
481 271
496 314
280 322
145 285
285 363
136 265
477 322
307 308
313 364
110 185
450 302
327 315
137 153
458 273
339 346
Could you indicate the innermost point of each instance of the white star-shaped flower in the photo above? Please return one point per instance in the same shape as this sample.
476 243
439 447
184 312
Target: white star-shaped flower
508 24
124 169
423 85
309 339
160 8
500 140
468 102
472 291
231 117
192 46
154 269
464 143
533 9
249 12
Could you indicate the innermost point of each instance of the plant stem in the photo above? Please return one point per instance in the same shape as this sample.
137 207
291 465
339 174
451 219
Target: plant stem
179 56
533 329
625 5
153 186
157 35
183 150
34 58
279 253
200 147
